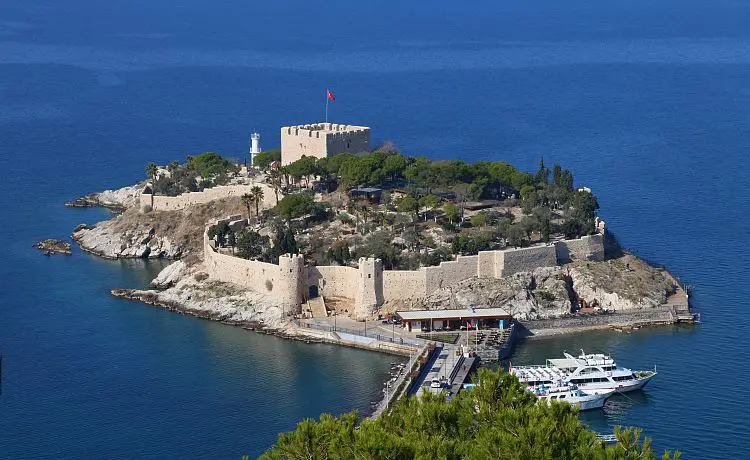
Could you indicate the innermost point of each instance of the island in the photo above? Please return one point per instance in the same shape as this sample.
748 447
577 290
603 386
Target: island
328 240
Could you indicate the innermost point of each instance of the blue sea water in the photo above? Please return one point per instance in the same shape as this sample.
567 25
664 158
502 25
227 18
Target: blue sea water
648 102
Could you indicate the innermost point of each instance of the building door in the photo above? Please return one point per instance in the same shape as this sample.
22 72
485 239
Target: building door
313 292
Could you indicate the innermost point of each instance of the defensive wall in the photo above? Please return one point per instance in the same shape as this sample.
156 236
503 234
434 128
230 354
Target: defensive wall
322 140
369 285
172 203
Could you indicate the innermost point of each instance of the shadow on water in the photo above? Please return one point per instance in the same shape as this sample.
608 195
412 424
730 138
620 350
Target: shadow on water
616 410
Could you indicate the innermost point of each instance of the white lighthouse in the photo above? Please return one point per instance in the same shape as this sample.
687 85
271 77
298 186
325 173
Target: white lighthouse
254 147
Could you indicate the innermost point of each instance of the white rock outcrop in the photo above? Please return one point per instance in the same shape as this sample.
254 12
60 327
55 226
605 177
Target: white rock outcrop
229 303
170 275
140 241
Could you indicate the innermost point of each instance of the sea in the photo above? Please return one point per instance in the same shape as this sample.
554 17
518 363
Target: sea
647 102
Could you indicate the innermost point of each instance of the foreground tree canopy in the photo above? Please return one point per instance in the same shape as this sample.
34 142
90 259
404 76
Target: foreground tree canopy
498 419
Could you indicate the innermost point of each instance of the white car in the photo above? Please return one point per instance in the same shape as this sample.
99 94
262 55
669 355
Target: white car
435 383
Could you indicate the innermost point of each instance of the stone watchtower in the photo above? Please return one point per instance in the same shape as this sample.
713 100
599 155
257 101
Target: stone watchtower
369 294
321 140
288 288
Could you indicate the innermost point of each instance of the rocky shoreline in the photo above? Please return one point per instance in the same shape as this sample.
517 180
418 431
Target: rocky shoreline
617 321
116 200
52 246
620 292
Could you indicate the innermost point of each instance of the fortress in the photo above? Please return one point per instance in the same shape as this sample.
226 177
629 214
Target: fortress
292 283
322 140
173 203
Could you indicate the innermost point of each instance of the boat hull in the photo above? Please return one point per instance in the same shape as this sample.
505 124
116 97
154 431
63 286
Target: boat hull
623 387
586 402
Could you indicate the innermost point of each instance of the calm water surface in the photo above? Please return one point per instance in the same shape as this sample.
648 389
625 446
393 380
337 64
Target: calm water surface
647 102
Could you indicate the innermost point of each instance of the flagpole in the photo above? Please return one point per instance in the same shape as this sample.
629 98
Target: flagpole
326 105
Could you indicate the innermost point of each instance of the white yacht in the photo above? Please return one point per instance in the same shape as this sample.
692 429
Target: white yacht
571 394
590 372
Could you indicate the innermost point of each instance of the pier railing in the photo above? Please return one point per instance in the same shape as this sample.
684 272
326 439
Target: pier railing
360 333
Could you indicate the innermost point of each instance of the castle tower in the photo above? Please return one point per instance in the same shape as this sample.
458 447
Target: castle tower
369 294
254 147
289 282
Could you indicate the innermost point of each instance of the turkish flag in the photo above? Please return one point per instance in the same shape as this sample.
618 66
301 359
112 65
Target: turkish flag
331 97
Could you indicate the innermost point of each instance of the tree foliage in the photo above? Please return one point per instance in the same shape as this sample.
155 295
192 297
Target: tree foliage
265 158
498 419
250 244
296 205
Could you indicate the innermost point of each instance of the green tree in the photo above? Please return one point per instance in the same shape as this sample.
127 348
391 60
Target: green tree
284 241
295 205
247 200
257 194
431 202
498 419
394 165
208 164
542 176
250 244
304 168
408 204
478 220
515 235
275 181
451 212
151 171
264 159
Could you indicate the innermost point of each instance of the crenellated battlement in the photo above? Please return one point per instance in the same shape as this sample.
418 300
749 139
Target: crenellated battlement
292 282
322 140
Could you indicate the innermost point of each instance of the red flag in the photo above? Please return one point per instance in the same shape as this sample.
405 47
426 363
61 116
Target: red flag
468 324
330 95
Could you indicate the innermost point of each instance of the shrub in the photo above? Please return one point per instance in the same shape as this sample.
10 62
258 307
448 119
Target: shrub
200 277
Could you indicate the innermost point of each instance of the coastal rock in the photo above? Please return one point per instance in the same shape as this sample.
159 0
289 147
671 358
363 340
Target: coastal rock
541 293
170 275
624 283
110 240
213 300
52 246
118 199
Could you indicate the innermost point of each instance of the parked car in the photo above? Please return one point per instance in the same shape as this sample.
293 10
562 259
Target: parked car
435 383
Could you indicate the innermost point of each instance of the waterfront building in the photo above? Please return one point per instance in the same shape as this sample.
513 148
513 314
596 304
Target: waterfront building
435 320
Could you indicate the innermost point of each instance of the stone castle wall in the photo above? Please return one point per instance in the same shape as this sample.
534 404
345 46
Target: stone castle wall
525 259
586 248
369 285
172 203
333 281
321 140
280 282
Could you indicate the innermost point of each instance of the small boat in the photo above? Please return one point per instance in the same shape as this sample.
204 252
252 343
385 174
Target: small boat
591 373
572 395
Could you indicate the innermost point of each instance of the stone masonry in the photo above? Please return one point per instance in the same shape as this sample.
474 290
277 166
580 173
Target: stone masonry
369 285
322 140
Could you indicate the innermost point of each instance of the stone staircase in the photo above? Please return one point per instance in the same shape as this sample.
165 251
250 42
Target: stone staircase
318 307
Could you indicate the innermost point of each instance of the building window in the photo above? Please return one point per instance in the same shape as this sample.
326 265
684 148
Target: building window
369 275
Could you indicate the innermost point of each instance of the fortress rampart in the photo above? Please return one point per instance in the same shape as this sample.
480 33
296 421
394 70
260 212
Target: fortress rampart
369 285
172 203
